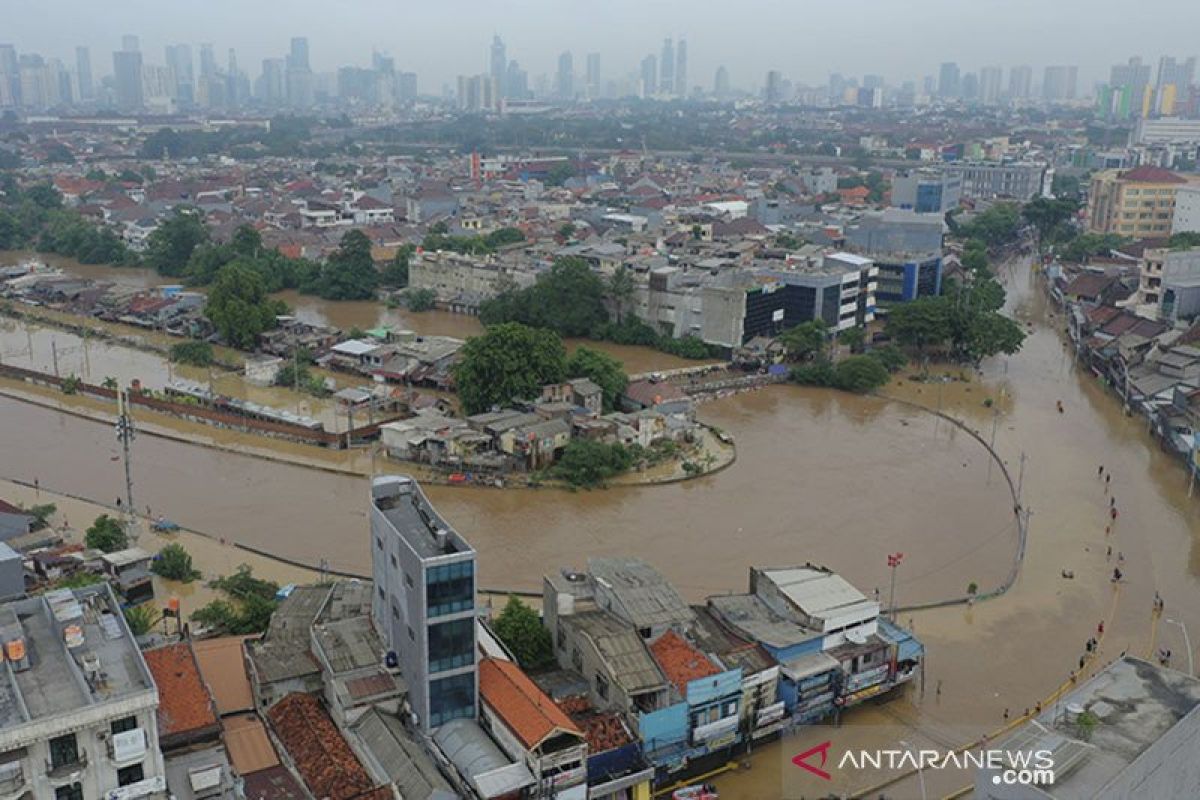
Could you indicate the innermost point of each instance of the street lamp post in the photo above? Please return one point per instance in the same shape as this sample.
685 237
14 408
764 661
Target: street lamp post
893 561
1187 642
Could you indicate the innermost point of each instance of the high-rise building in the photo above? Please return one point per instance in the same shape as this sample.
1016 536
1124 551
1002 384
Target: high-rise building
1058 83
208 62
593 76
406 87
1174 80
1020 82
721 83
299 74
129 43
424 600
990 79
649 75
516 81
298 55
83 72
949 86
179 61
127 76
273 83
681 78
498 64
564 79
774 88
969 87
1128 92
10 77
666 64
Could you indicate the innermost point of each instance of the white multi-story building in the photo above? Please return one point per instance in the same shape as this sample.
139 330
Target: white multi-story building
77 702
1187 210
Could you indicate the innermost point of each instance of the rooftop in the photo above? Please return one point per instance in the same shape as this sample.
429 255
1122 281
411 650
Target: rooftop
820 595
184 705
680 661
517 700
478 759
322 757
249 746
402 503
645 597
1135 704
70 649
400 758
622 649
223 668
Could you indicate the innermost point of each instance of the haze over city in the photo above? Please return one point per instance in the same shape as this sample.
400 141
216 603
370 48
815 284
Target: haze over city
805 41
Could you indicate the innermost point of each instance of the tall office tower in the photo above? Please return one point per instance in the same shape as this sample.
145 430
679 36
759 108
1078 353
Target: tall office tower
949 86
498 62
129 43
1058 83
681 77
650 75
516 81
10 77
83 72
1128 92
298 55
872 82
774 88
1174 80
564 79
1020 82
593 76
969 86
721 83
127 76
424 600
179 60
666 65
273 83
990 79
208 61
406 87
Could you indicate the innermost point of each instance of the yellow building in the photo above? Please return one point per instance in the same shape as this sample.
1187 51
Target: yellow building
1138 203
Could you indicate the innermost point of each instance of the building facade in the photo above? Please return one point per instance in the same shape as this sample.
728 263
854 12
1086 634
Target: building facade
1137 203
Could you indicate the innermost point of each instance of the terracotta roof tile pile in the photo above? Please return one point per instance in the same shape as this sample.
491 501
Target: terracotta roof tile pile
184 704
603 730
681 662
320 753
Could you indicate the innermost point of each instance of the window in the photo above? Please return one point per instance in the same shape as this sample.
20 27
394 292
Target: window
601 686
408 581
451 645
451 698
130 775
63 751
450 588
72 792
378 543
124 724
576 659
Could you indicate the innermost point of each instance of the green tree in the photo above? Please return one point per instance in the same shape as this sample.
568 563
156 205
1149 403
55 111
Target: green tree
975 256
998 226
806 340
620 291
349 273
859 374
174 563
195 353
853 338
239 307
559 174
171 244
508 362
989 334
607 372
141 619
588 463
421 300
891 357
922 323
568 299
246 241
522 632
1046 215
395 274
106 534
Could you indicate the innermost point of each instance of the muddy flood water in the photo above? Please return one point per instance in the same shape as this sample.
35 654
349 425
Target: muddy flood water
820 476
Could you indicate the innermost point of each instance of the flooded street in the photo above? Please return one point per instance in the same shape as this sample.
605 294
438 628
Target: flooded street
820 476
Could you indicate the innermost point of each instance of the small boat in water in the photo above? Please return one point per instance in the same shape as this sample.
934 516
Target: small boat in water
701 791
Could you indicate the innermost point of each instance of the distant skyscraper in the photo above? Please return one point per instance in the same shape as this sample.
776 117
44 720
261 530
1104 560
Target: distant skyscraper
1020 82
498 62
666 63
990 79
127 76
179 60
872 82
649 75
1128 92
1174 80
10 77
83 72
298 55
1058 83
681 76
774 89
273 84
969 87
208 62
593 76
516 81
129 43
948 81
564 79
721 83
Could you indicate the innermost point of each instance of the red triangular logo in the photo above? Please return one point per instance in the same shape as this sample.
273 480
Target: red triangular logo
802 760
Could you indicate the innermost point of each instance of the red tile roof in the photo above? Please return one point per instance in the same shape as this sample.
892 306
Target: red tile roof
1148 174
649 394
520 704
681 662
604 731
322 757
184 704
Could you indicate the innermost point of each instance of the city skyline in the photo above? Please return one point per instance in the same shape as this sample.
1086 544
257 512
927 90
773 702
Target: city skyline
746 47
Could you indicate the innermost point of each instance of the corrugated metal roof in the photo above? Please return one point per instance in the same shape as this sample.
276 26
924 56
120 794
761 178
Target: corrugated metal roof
622 650
820 594
645 596
403 761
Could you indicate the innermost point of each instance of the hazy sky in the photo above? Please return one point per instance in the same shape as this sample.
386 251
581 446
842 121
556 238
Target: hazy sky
805 40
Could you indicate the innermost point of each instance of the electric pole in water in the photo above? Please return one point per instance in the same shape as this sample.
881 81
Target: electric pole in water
125 435
893 561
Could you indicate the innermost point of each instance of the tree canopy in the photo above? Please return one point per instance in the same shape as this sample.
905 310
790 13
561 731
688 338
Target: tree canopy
170 245
607 372
568 299
106 534
510 361
239 307
967 319
349 273
522 632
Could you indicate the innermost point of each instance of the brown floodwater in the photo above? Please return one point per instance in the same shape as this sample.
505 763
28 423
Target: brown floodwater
348 314
820 476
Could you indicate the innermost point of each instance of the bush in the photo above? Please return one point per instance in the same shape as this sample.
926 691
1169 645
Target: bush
174 563
106 534
818 373
588 463
522 632
859 374
891 357
421 300
197 354
141 619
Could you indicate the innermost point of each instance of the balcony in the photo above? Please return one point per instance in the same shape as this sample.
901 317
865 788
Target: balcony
66 772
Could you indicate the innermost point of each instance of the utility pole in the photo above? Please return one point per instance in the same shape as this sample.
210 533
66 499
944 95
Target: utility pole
992 444
126 434
893 561
54 354
1021 479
